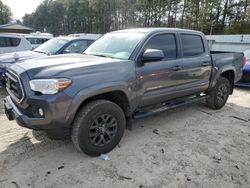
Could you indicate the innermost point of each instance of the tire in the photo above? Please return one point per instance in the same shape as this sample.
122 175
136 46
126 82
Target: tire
98 127
219 95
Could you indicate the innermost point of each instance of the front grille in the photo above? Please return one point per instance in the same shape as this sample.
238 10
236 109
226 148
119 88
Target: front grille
14 86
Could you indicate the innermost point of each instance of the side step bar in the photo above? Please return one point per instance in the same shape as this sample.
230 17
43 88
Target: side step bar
166 106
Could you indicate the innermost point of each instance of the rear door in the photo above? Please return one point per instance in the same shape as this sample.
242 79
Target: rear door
196 64
158 80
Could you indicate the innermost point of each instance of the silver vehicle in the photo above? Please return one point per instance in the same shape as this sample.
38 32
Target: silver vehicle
13 43
36 39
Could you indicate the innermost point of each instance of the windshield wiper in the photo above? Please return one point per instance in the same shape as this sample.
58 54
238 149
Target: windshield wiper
42 52
100 55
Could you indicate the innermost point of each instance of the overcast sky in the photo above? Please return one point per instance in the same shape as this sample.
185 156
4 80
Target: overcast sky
20 7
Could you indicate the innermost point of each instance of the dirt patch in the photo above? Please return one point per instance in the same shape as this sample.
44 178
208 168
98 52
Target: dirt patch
190 146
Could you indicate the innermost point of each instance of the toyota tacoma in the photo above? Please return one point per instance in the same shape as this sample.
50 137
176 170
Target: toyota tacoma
125 75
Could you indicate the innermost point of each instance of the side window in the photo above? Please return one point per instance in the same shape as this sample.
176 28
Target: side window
192 45
9 41
15 41
31 40
39 41
35 40
164 42
77 47
2 42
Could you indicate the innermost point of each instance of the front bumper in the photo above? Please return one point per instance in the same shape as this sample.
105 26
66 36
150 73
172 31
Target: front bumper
55 113
13 113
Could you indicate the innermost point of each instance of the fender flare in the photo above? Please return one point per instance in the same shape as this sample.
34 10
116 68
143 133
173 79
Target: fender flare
219 71
92 91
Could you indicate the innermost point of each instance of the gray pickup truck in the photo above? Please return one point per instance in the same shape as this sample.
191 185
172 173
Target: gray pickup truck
124 75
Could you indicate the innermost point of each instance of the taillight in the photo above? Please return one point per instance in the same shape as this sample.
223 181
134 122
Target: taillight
244 61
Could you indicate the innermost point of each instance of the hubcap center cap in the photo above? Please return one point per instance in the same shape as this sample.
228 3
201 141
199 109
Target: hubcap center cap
102 128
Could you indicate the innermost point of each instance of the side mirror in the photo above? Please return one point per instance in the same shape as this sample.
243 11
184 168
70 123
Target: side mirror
152 55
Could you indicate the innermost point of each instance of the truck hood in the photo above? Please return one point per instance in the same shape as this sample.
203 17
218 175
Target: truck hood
59 65
19 56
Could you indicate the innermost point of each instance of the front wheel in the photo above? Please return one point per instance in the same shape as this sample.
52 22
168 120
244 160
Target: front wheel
219 95
98 127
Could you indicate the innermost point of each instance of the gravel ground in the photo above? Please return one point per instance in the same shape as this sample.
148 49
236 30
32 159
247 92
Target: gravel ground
190 146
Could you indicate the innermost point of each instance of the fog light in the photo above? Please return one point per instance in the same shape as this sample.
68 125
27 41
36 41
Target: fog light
40 111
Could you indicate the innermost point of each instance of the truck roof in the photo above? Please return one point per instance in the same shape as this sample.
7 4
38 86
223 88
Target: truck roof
159 29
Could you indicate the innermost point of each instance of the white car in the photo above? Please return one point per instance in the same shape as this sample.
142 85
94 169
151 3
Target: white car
13 43
36 39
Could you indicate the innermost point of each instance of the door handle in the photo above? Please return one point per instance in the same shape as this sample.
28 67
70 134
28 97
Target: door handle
176 68
204 64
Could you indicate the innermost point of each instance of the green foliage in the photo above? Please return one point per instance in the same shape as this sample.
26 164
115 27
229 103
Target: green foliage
237 28
101 16
5 14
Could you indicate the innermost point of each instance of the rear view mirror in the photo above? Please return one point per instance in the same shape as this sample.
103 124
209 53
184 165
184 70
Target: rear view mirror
152 55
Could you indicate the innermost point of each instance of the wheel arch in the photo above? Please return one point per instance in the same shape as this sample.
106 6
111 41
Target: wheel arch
227 72
119 95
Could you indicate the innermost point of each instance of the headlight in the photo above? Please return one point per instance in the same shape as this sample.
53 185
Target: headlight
49 86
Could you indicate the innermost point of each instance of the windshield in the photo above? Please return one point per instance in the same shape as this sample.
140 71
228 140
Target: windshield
51 47
247 54
115 45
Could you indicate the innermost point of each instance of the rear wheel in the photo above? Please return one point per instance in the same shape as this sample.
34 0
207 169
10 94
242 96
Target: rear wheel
98 127
219 95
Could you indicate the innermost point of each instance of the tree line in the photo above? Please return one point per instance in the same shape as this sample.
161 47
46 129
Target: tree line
5 13
100 16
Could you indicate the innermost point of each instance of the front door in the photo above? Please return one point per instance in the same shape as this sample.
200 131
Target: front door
158 80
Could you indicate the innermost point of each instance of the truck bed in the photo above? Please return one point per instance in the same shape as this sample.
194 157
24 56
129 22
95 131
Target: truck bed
223 59
221 56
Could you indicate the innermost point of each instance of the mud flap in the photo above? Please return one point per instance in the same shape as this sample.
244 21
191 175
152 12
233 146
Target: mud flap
129 123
